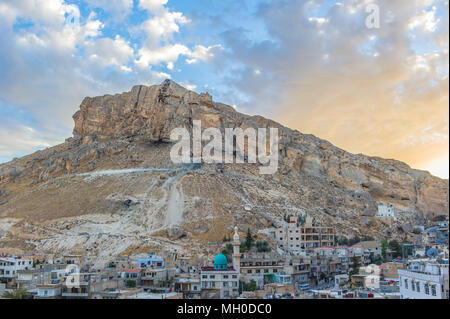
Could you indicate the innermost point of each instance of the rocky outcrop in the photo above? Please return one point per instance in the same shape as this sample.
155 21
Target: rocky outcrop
112 185
152 112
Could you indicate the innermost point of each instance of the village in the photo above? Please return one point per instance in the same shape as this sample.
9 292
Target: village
306 262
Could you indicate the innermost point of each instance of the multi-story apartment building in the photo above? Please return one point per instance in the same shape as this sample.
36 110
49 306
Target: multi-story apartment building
9 266
424 280
296 239
299 268
260 267
189 285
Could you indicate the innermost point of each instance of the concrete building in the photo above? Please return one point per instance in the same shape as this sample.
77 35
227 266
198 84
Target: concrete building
77 286
222 281
48 291
389 271
296 239
9 266
151 278
219 281
189 285
260 267
424 280
151 262
386 212
47 273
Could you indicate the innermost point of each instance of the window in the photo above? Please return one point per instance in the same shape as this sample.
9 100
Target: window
225 276
204 276
433 290
249 271
413 286
212 276
234 276
406 283
418 286
258 271
427 289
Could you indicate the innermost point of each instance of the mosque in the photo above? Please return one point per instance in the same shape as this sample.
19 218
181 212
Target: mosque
221 280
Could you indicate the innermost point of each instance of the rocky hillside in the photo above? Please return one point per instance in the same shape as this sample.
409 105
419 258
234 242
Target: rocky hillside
112 188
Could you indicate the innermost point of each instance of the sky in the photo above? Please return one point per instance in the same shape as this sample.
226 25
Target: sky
313 65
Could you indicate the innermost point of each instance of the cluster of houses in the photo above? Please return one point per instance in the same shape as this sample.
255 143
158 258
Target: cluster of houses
305 264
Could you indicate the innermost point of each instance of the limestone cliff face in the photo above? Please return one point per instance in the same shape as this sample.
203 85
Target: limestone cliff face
152 112
112 187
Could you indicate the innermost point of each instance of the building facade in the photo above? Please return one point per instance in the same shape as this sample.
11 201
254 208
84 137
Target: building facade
427 282
297 239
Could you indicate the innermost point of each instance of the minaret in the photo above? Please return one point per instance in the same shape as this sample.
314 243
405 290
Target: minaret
236 251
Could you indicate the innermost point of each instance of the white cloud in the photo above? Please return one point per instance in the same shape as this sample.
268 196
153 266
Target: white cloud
425 21
202 53
108 52
168 54
164 24
152 5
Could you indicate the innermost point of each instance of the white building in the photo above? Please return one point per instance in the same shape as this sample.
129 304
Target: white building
222 281
48 291
10 265
427 282
385 211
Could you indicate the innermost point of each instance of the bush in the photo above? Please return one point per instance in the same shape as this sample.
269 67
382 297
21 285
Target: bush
262 246
251 286
131 283
18 294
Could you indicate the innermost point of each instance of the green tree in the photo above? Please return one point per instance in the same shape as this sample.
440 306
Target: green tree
229 248
384 247
396 247
342 240
262 246
249 239
355 266
131 283
301 221
18 294
251 286
354 240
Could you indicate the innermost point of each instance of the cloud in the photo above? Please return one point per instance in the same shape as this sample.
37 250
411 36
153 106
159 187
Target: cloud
152 5
118 9
202 53
366 90
168 54
426 21
107 51
310 64
163 23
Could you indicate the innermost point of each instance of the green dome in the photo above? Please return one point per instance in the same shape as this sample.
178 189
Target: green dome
220 262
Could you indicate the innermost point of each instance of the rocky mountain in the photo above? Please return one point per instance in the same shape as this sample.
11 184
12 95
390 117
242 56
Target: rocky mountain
112 189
